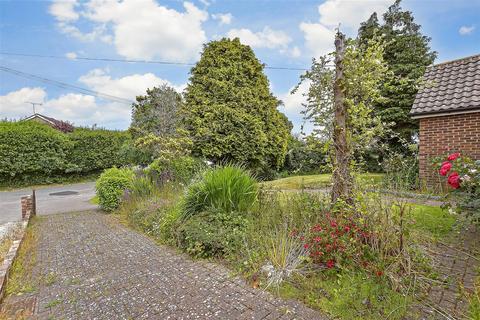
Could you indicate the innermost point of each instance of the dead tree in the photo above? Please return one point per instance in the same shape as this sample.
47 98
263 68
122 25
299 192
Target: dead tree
342 178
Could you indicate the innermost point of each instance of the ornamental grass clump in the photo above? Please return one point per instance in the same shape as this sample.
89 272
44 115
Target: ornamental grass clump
228 188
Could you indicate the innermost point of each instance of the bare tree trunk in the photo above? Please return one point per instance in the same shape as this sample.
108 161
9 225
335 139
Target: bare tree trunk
342 179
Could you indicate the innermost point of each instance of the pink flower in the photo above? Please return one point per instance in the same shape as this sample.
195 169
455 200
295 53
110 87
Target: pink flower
446 166
317 239
330 264
454 180
453 156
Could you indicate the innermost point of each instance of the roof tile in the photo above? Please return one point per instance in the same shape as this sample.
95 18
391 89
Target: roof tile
450 86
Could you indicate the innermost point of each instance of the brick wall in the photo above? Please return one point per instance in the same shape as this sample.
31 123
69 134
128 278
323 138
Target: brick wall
445 134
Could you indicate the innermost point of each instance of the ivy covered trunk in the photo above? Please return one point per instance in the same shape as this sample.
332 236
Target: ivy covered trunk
342 179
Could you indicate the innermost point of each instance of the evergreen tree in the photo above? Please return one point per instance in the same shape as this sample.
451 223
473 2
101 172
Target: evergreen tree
229 110
156 113
407 54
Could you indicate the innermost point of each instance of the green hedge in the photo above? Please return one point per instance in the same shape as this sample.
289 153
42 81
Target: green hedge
95 150
31 152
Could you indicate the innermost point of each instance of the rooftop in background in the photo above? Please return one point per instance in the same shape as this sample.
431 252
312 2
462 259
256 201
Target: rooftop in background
450 87
60 125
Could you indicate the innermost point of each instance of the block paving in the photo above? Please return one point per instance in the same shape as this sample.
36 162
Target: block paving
89 266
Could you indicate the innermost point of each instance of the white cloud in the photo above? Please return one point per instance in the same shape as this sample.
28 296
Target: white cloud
349 13
71 55
139 29
64 10
295 52
84 109
464 30
127 87
292 106
223 18
14 104
267 38
319 36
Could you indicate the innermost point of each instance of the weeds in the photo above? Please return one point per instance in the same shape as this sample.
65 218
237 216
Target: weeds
21 275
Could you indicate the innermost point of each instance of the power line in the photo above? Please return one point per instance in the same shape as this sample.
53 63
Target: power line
65 85
128 60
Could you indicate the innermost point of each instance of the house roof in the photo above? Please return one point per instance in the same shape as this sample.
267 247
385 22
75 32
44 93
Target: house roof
57 124
449 87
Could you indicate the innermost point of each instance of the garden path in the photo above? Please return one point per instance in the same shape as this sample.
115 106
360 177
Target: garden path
89 266
457 264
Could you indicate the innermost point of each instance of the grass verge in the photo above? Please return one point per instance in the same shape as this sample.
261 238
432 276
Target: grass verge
21 275
316 181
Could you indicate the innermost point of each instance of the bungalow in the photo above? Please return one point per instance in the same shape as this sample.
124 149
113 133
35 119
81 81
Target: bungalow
448 109
54 123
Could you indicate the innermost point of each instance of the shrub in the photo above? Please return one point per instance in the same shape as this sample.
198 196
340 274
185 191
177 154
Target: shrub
30 151
228 189
180 169
111 186
95 150
463 176
213 233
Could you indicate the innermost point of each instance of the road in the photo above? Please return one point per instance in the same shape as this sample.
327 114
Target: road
55 199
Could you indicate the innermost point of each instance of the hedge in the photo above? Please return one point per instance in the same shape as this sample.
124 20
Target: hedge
95 150
32 152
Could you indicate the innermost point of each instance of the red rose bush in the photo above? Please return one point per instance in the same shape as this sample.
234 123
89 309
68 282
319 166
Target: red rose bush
463 177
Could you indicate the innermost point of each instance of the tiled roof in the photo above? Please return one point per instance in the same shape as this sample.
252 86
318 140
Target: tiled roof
63 126
449 87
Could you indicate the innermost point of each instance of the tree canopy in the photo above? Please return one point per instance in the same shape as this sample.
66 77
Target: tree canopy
229 111
156 113
407 54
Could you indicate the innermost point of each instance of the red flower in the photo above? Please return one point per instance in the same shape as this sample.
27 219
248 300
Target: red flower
453 156
446 166
317 239
306 245
379 273
454 180
330 264
333 224
347 229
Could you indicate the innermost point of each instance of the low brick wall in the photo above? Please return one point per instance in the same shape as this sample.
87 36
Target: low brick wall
28 210
447 134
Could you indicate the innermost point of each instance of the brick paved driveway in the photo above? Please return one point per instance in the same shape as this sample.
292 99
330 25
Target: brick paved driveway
92 267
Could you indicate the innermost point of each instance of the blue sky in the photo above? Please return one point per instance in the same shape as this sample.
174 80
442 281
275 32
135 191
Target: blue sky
282 33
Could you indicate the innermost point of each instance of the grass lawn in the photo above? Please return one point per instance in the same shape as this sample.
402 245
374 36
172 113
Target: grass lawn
433 220
316 181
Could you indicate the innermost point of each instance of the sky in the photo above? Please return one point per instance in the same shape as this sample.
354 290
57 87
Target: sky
283 33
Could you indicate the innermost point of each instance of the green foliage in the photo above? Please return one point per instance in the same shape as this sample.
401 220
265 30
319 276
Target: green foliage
156 113
306 156
401 173
97 149
352 295
214 233
230 113
407 54
30 151
111 186
228 189
363 71
180 169
143 185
